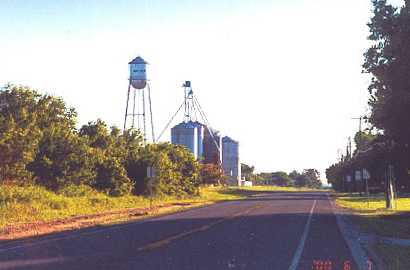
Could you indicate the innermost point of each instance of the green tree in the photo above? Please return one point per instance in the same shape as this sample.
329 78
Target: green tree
281 179
19 133
388 61
109 153
247 171
177 170
309 178
63 158
26 120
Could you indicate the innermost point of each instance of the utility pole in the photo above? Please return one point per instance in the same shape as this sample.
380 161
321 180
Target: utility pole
390 188
365 182
349 147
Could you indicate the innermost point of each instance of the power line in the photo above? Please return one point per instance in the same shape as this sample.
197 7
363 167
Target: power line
170 121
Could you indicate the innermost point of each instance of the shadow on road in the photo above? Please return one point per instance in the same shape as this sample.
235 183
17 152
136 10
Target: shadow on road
263 235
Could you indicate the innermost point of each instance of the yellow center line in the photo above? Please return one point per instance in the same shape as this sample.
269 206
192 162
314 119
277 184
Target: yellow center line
168 240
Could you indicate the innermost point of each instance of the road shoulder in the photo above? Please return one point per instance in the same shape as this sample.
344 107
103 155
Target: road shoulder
356 241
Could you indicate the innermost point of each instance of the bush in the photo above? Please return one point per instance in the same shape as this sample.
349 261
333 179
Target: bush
212 174
177 171
112 178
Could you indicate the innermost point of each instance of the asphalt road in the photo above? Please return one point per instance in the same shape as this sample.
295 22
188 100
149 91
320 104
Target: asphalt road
274 231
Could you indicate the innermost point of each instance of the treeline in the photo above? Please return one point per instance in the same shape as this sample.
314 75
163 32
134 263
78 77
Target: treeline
307 178
40 144
383 149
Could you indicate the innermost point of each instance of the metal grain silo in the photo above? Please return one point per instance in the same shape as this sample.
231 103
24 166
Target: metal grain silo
230 160
200 139
212 146
138 73
186 134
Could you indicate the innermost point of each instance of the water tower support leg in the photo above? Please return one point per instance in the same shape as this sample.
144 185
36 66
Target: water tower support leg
150 112
126 107
143 115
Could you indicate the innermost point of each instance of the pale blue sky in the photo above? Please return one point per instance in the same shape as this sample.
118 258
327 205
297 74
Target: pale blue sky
282 77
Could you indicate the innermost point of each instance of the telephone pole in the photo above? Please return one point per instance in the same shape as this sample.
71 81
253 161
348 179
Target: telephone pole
365 182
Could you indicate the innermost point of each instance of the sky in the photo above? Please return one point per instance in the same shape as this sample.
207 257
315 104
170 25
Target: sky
283 77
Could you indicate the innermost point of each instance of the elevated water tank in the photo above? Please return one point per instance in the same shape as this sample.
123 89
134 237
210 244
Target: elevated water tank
138 73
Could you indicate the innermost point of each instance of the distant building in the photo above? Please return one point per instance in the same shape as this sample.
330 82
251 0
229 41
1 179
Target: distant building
230 161
212 147
191 135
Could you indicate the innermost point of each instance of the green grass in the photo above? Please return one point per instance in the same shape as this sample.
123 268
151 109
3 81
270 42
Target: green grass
34 203
394 257
372 216
372 204
284 189
29 204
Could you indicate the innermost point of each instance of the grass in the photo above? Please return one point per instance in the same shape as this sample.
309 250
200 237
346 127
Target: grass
394 257
284 189
33 203
372 204
372 216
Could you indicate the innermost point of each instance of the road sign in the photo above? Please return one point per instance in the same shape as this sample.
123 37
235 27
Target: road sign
358 175
366 174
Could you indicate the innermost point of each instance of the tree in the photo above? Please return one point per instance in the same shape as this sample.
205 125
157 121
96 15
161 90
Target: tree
388 61
309 178
109 156
212 174
247 171
293 174
177 170
63 158
363 140
19 132
39 144
29 125
281 179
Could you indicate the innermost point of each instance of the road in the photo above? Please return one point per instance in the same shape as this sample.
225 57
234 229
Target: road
270 231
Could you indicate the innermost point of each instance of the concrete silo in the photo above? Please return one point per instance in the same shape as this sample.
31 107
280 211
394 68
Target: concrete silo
230 160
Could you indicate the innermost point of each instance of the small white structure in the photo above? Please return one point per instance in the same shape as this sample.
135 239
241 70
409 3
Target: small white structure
138 73
246 183
230 161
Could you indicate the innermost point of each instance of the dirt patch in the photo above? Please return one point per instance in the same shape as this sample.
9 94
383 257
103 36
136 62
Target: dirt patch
17 231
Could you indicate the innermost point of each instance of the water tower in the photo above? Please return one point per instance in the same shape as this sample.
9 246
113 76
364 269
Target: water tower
138 87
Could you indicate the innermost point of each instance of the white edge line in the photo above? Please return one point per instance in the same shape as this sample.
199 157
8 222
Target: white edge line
298 253
352 241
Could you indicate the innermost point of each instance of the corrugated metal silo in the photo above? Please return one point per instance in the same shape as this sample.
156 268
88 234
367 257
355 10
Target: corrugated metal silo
201 138
230 160
186 134
212 146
